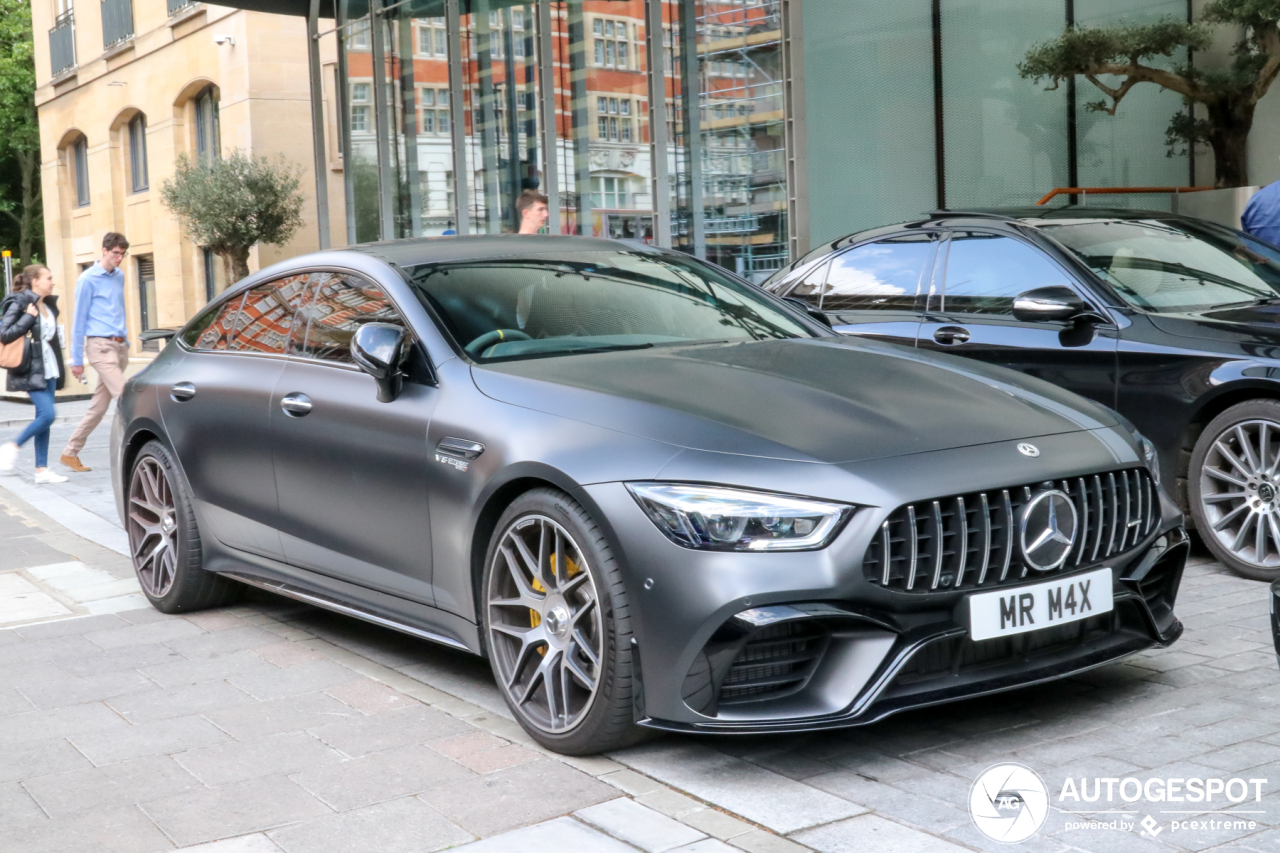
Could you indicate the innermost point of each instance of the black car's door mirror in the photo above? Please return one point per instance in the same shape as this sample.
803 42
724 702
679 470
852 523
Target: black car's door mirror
1048 304
820 316
378 348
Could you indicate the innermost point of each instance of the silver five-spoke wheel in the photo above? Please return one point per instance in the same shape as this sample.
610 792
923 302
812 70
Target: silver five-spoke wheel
153 527
546 633
1240 492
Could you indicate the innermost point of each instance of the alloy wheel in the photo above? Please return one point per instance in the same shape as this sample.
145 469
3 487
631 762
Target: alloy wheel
1240 491
153 527
546 632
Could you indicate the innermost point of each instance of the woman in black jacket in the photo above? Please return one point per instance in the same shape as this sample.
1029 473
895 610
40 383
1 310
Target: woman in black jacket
31 312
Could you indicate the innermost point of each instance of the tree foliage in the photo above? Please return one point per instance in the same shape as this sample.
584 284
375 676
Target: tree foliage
1115 59
232 204
19 127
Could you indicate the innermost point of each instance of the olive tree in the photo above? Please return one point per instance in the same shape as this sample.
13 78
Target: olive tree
1115 59
233 203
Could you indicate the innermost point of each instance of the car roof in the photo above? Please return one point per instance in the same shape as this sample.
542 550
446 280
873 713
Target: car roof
433 250
1035 215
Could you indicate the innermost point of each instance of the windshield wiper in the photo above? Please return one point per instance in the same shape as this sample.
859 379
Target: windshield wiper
604 348
1257 300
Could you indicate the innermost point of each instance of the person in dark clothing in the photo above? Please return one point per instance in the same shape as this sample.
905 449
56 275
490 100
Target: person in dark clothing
31 312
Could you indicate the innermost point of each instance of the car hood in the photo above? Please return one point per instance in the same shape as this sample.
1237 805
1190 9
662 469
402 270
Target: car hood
1248 324
813 400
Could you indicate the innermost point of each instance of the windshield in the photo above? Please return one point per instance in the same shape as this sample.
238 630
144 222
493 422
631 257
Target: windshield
1174 266
594 301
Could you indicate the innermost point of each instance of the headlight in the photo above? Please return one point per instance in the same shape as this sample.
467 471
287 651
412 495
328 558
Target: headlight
1150 456
714 518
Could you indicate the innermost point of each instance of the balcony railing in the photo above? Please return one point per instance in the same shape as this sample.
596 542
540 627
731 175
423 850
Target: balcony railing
62 44
117 21
176 6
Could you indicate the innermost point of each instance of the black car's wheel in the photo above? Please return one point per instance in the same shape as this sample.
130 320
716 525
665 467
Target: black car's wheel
1234 481
163 538
557 626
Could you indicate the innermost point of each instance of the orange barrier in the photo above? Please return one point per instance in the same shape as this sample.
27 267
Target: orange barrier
1084 191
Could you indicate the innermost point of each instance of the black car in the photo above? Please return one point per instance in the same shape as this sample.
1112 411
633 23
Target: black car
648 491
1170 320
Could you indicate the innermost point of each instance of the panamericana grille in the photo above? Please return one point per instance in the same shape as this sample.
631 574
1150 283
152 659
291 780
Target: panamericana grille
970 541
776 661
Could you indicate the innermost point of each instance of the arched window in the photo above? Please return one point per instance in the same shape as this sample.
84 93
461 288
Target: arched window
138 153
208 136
79 154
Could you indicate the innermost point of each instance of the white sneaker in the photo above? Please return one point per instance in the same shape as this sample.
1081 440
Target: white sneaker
8 457
45 477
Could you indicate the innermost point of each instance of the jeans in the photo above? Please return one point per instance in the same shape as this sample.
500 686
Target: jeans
39 428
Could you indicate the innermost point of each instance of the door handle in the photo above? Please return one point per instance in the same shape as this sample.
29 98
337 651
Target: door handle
295 405
951 335
182 392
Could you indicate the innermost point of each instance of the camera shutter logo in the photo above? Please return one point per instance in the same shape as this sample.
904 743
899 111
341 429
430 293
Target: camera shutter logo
1008 803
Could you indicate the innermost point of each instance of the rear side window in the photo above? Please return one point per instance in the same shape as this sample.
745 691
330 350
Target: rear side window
337 305
881 276
266 318
213 329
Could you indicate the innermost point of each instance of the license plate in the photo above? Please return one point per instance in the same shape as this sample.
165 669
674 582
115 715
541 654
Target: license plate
1042 605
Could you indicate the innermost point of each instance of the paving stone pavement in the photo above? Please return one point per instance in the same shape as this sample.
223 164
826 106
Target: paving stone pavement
273 726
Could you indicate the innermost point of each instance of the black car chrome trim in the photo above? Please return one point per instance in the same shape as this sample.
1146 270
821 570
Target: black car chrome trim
293 592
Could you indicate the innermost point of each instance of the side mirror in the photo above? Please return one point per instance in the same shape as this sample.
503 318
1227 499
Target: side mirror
820 316
378 348
1048 304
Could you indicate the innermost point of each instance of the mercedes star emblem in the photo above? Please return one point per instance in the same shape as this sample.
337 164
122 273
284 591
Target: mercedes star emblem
1048 530
1029 450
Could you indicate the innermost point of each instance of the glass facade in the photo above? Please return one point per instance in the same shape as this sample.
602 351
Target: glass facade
450 109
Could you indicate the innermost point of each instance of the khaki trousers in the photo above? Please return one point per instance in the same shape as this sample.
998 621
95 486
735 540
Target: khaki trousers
109 359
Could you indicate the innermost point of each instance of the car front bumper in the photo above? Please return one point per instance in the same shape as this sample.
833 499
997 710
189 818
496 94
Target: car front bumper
786 642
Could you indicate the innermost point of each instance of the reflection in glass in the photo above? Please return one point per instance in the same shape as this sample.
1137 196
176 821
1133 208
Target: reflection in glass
882 276
728 159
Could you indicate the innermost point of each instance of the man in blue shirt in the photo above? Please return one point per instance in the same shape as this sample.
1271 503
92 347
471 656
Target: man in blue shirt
99 335
1262 214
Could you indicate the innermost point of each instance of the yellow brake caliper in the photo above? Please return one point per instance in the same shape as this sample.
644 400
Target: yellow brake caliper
535 618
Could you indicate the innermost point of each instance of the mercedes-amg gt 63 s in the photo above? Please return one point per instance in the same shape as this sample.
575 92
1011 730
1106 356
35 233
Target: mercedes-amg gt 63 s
650 493
1169 320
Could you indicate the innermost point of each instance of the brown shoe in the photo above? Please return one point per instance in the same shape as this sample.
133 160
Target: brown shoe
73 462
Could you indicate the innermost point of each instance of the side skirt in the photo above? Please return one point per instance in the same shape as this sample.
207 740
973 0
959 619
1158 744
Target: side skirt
378 608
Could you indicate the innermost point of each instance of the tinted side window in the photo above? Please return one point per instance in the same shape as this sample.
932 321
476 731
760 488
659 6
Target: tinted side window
266 318
213 329
881 276
985 272
339 305
808 284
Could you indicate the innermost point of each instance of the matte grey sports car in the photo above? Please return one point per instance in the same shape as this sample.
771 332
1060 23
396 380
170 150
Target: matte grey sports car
647 491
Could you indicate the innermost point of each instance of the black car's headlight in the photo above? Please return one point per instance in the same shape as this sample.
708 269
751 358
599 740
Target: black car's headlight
716 518
1150 455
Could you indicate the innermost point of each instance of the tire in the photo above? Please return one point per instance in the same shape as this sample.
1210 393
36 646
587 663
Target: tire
543 626
164 540
1234 488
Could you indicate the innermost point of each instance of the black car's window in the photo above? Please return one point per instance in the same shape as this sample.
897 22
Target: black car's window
880 276
807 283
337 305
266 318
1170 266
213 329
986 271
596 300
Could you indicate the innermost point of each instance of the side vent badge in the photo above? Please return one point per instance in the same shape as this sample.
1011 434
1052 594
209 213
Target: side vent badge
458 452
